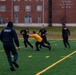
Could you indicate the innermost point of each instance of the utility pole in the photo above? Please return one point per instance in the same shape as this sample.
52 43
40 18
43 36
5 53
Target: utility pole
63 18
50 12
43 12
65 13
12 10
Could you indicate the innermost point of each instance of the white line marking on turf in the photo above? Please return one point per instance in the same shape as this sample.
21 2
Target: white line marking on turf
49 67
30 56
47 56
16 47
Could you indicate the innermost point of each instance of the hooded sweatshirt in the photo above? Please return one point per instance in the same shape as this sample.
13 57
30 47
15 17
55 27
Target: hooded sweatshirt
8 34
65 32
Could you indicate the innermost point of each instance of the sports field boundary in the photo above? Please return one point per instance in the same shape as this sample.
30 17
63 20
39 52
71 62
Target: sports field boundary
16 48
49 67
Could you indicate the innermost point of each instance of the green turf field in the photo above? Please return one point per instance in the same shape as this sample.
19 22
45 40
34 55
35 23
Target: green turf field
59 61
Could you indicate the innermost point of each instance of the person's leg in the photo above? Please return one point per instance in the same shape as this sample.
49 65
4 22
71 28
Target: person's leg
40 46
25 43
64 42
45 41
15 54
47 46
36 44
7 51
29 44
8 56
67 42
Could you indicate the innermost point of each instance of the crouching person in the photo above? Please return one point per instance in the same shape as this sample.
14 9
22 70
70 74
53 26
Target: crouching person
39 41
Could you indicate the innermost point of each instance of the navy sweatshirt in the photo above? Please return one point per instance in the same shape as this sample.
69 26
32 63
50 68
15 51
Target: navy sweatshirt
25 35
65 32
42 31
8 34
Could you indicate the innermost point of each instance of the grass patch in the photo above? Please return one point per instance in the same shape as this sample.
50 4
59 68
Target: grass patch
52 31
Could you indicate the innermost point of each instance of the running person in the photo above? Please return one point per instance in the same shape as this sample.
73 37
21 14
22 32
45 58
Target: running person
8 34
26 36
65 35
43 32
39 41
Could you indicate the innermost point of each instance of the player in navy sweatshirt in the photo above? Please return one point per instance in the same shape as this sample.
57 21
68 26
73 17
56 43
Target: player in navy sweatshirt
43 32
8 37
65 35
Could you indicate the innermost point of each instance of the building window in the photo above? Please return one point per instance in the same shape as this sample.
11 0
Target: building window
25 0
18 0
40 0
30 0
16 18
37 0
14 0
2 0
28 8
39 8
16 8
3 8
2 21
39 18
28 19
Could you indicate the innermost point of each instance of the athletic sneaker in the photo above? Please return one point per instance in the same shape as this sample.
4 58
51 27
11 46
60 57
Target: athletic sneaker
38 49
32 48
68 46
12 68
15 64
49 48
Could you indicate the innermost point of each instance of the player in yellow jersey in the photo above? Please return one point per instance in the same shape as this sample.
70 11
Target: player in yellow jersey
39 41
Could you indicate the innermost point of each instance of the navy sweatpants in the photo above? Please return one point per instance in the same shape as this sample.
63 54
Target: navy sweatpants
26 42
10 49
65 41
42 44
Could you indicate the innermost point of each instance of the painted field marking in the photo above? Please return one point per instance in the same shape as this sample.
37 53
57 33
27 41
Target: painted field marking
47 56
30 56
16 47
49 67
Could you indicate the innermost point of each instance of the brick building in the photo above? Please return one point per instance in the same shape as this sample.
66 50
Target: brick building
37 12
65 10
